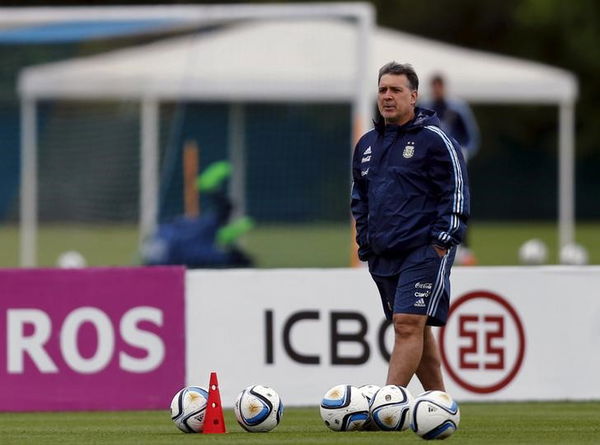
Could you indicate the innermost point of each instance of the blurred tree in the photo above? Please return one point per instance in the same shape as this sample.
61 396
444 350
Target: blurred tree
567 34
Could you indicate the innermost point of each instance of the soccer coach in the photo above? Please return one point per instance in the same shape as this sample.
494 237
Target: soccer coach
410 201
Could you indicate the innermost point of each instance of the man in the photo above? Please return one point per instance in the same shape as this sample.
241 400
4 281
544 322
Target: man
457 121
456 118
410 200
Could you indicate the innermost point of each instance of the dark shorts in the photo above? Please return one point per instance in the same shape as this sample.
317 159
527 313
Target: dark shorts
421 287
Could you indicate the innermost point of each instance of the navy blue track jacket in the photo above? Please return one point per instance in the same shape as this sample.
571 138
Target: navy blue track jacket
410 189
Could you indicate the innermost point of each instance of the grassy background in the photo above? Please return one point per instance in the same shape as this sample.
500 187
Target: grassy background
489 423
316 245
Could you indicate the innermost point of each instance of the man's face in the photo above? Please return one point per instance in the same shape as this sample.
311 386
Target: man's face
395 99
438 90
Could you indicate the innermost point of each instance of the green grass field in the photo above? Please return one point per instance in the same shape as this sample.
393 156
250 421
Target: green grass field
316 245
481 423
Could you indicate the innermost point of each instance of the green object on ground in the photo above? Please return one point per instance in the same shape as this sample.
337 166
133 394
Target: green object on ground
213 176
232 231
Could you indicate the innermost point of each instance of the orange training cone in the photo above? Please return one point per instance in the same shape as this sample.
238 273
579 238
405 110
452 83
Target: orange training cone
214 423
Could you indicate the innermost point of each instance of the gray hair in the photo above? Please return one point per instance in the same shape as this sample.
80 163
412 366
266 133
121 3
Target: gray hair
399 69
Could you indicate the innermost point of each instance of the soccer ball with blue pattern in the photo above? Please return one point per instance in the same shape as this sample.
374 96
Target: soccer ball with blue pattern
391 407
188 409
369 391
435 415
344 408
258 409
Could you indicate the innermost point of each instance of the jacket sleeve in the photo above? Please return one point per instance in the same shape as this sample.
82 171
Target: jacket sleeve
450 182
360 206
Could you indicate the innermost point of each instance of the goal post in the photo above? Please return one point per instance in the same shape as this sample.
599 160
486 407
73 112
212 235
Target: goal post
28 198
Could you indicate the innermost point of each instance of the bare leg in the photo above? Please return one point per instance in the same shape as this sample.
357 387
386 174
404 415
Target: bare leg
429 370
408 348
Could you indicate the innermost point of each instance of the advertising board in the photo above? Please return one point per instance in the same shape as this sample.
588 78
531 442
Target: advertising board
91 339
514 333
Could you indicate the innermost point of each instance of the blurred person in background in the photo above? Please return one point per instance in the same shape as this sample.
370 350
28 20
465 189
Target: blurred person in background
457 120
206 241
410 201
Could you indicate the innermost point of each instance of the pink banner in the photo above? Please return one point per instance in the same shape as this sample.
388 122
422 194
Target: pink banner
91 339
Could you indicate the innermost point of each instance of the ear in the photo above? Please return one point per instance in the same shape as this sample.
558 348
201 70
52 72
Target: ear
413 97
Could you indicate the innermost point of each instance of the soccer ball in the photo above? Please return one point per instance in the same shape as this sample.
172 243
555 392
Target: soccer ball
435 415
71 259
573 254
258 409
533 251
188 408
391 407
369 391
344 408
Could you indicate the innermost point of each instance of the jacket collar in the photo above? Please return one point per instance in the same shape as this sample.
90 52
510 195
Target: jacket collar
422 117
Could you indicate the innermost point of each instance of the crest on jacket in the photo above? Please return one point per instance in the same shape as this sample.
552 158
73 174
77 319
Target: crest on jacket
409 150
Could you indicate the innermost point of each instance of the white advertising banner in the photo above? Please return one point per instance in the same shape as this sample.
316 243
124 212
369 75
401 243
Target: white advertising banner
514 333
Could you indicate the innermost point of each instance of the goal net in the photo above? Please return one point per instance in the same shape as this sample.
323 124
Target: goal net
104 136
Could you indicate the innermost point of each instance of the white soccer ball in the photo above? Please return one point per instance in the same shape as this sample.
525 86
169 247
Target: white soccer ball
434 415
533 252
188 409
258 409
391 408
344 408
71 259
369 391
573 254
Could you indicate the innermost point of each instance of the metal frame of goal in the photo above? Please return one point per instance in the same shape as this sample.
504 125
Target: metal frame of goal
362 16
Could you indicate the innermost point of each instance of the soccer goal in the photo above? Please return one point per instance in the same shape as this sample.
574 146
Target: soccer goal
280 91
